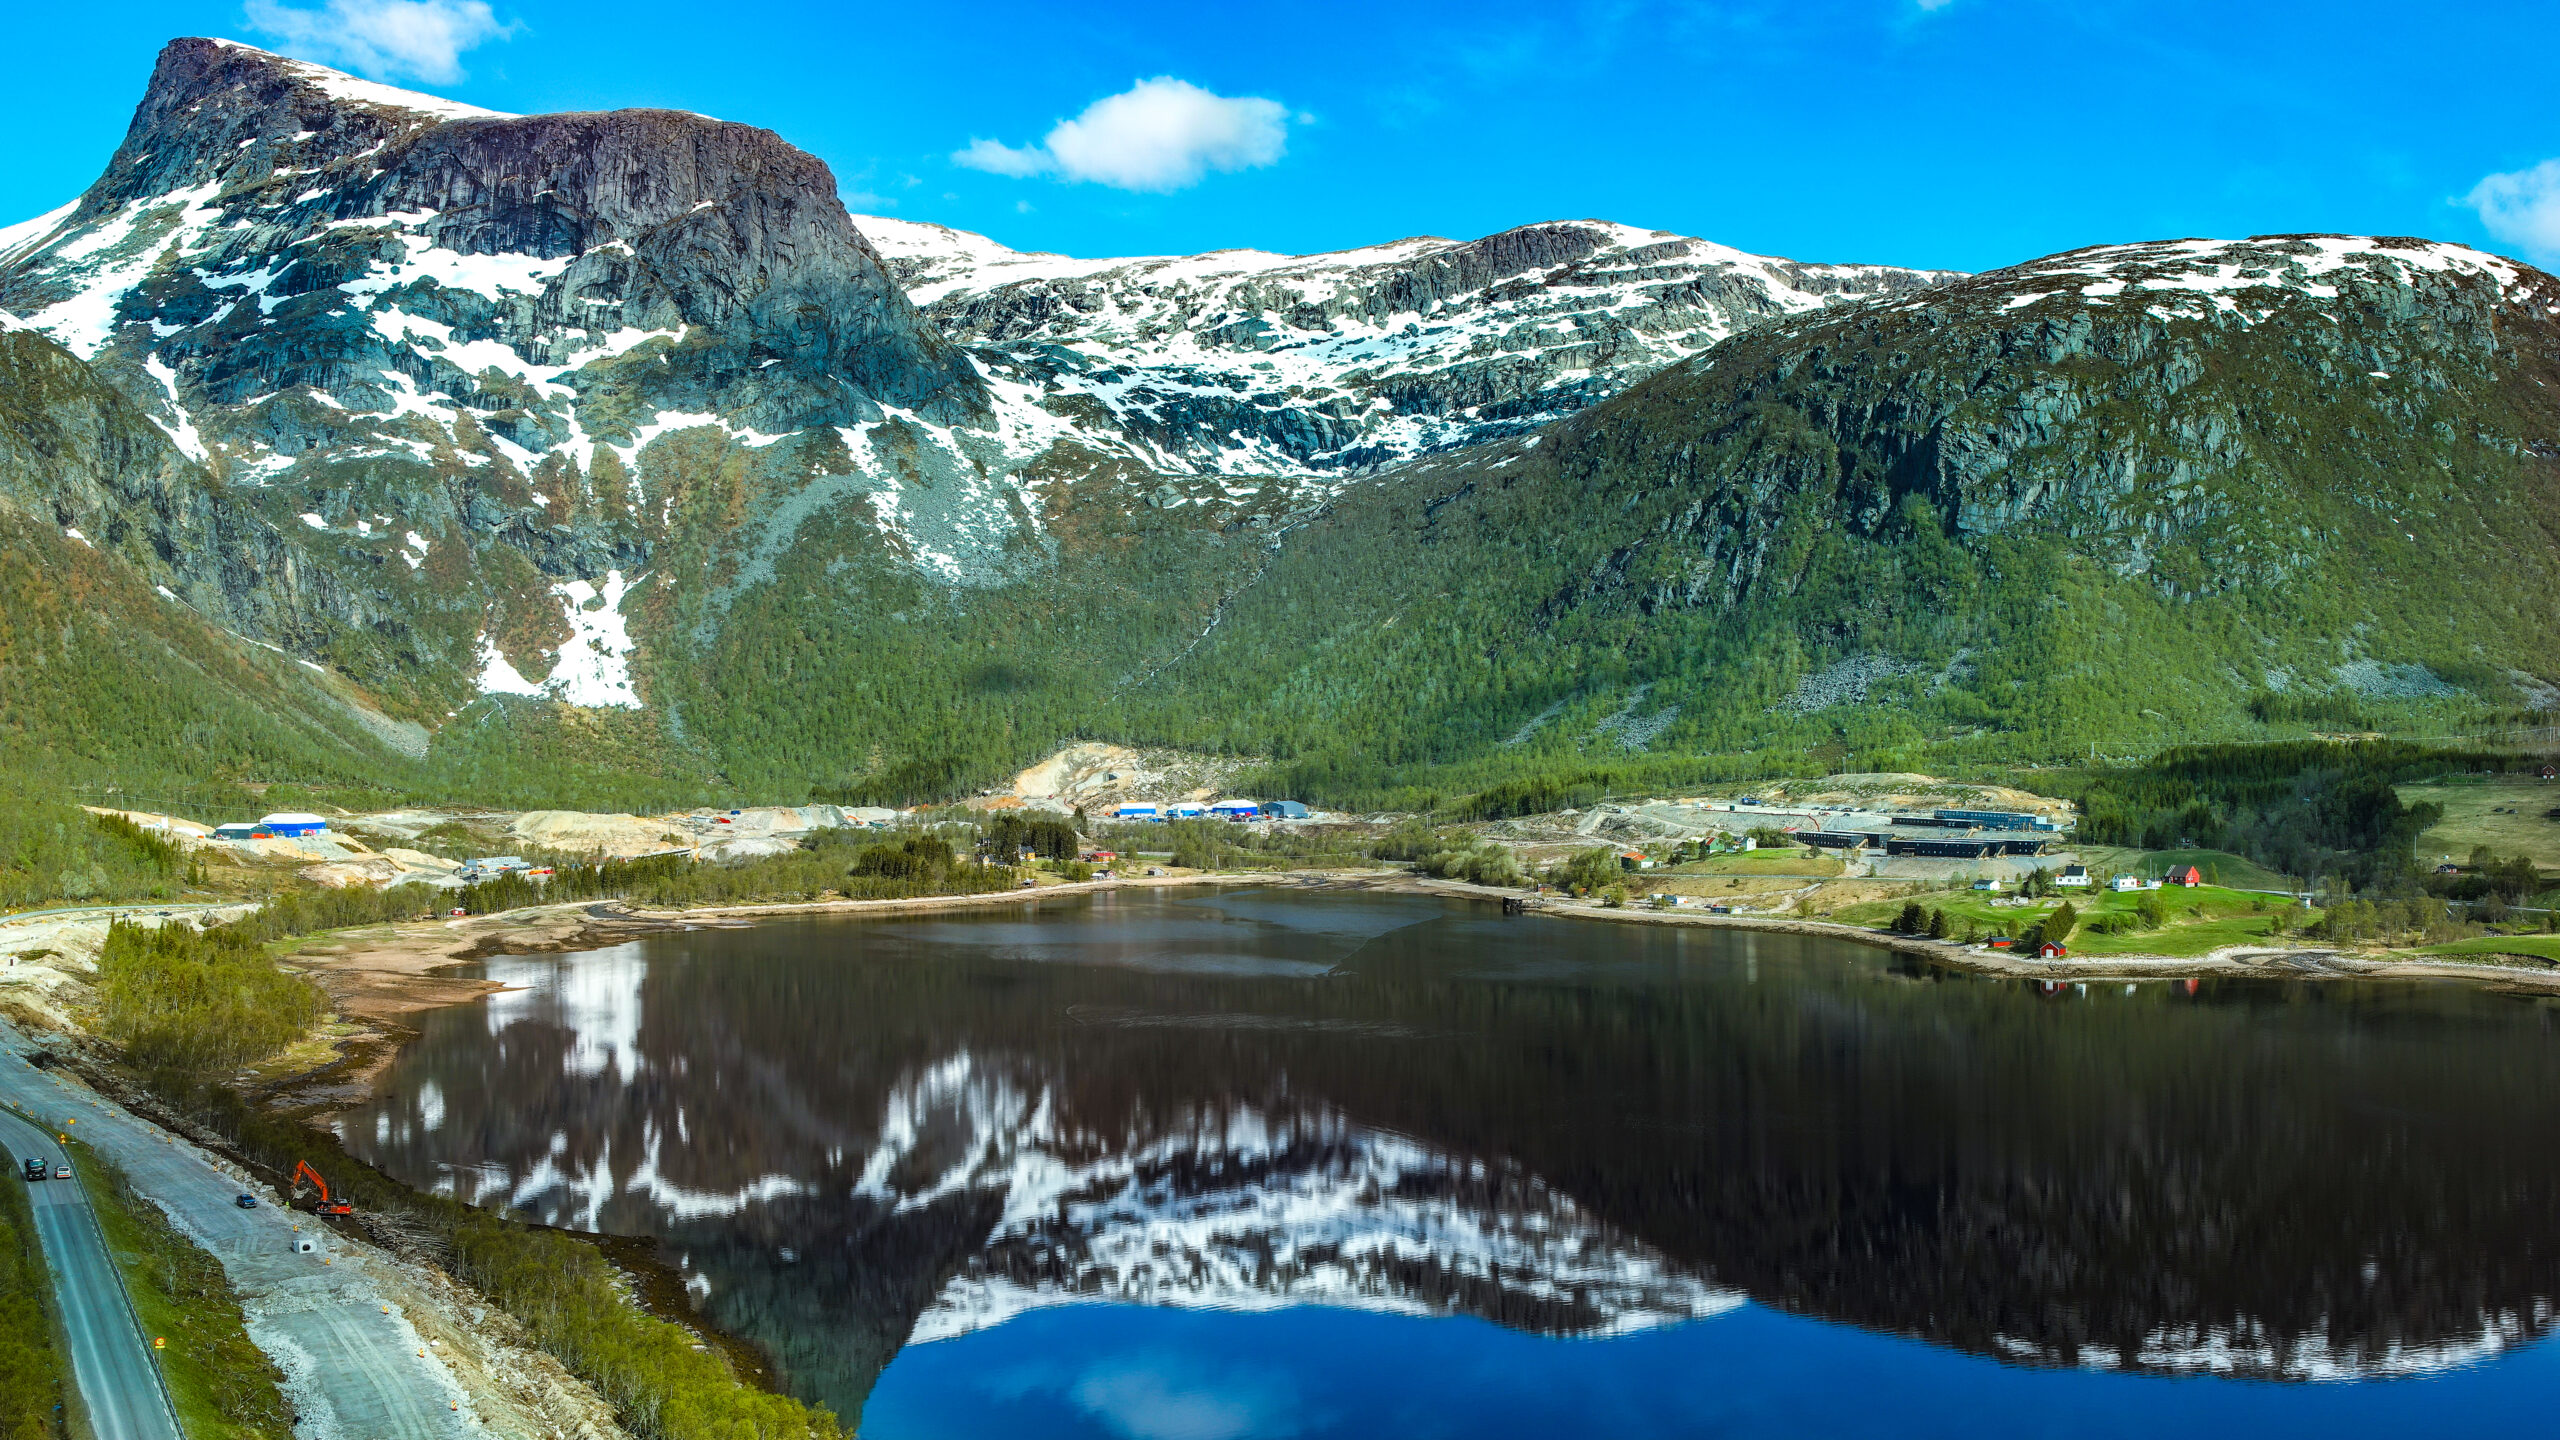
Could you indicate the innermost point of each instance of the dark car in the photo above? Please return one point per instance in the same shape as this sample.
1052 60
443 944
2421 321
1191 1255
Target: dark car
245 1200
34 1170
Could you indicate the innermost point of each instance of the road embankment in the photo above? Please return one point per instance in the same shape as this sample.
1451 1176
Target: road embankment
370 1345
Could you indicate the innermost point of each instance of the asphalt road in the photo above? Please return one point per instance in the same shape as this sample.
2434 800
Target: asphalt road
110 1359
355 1368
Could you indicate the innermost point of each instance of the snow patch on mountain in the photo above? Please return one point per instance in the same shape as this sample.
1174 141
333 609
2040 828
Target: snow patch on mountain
594 665
1245 361
2240 277
366 92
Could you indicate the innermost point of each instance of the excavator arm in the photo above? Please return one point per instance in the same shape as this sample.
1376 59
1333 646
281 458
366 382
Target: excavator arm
302 1171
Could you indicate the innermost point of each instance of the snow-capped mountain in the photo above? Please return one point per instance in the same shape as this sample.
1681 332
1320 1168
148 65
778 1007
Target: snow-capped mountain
474 371
1243 1208
1244 362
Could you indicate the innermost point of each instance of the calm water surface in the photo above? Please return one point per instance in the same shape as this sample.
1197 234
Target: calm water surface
1189 1166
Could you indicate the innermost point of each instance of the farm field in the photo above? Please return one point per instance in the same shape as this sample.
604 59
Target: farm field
2507 815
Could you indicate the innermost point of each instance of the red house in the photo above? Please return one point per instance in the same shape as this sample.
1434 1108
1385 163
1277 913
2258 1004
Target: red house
2186 875
2052 951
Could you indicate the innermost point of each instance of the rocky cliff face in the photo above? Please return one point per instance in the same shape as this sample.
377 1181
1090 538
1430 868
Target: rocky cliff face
1244 362
439 340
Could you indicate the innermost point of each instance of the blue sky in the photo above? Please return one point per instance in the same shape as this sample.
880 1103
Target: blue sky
1964 133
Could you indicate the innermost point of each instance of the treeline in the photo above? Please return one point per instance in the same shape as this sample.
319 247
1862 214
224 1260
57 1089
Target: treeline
2302 808
570 1299
1452 854
53 852
1225 845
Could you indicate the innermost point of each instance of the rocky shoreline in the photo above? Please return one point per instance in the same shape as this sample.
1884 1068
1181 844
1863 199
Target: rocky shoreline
380 977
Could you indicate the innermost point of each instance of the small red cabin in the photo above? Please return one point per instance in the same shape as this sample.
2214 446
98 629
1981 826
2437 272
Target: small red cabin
2186 875
2051 951
2000 942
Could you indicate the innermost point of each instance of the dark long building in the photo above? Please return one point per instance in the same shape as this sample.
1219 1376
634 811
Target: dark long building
1982 819
1971 847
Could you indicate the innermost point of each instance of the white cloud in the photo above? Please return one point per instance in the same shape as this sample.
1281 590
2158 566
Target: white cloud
1140 1402
414 39
997 158
2522 208
1161 134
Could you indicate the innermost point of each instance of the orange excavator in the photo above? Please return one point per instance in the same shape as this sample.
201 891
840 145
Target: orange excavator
302 1171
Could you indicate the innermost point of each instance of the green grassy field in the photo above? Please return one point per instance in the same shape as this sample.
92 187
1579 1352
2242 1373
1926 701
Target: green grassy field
2203 919
225 1388
2506 814
2542 947
1758 862
2220 867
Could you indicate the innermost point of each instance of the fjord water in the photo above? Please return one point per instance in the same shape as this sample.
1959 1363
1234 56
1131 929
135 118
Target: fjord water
1266 1162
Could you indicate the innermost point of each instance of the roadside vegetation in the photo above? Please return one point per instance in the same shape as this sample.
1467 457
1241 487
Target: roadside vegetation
571 1300
32 1371
223 1386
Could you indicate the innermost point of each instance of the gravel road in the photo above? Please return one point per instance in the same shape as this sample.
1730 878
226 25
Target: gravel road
332 1317
110 1360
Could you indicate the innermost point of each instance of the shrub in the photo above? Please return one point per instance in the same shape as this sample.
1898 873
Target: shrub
1479 863
1586 872
198 1001
918 857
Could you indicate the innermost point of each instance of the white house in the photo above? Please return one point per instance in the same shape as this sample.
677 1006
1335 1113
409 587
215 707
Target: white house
2123 883
2075 876
1991 885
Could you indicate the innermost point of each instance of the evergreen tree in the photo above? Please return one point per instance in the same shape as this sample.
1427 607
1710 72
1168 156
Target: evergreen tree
2059 925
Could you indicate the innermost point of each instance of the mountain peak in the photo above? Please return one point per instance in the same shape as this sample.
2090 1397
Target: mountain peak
335 84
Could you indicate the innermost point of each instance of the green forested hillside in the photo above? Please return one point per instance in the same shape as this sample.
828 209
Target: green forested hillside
1987 525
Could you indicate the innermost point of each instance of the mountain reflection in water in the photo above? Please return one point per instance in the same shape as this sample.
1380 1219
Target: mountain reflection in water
854 1133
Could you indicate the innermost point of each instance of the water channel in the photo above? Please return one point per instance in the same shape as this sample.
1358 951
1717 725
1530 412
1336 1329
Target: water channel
1194 1165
